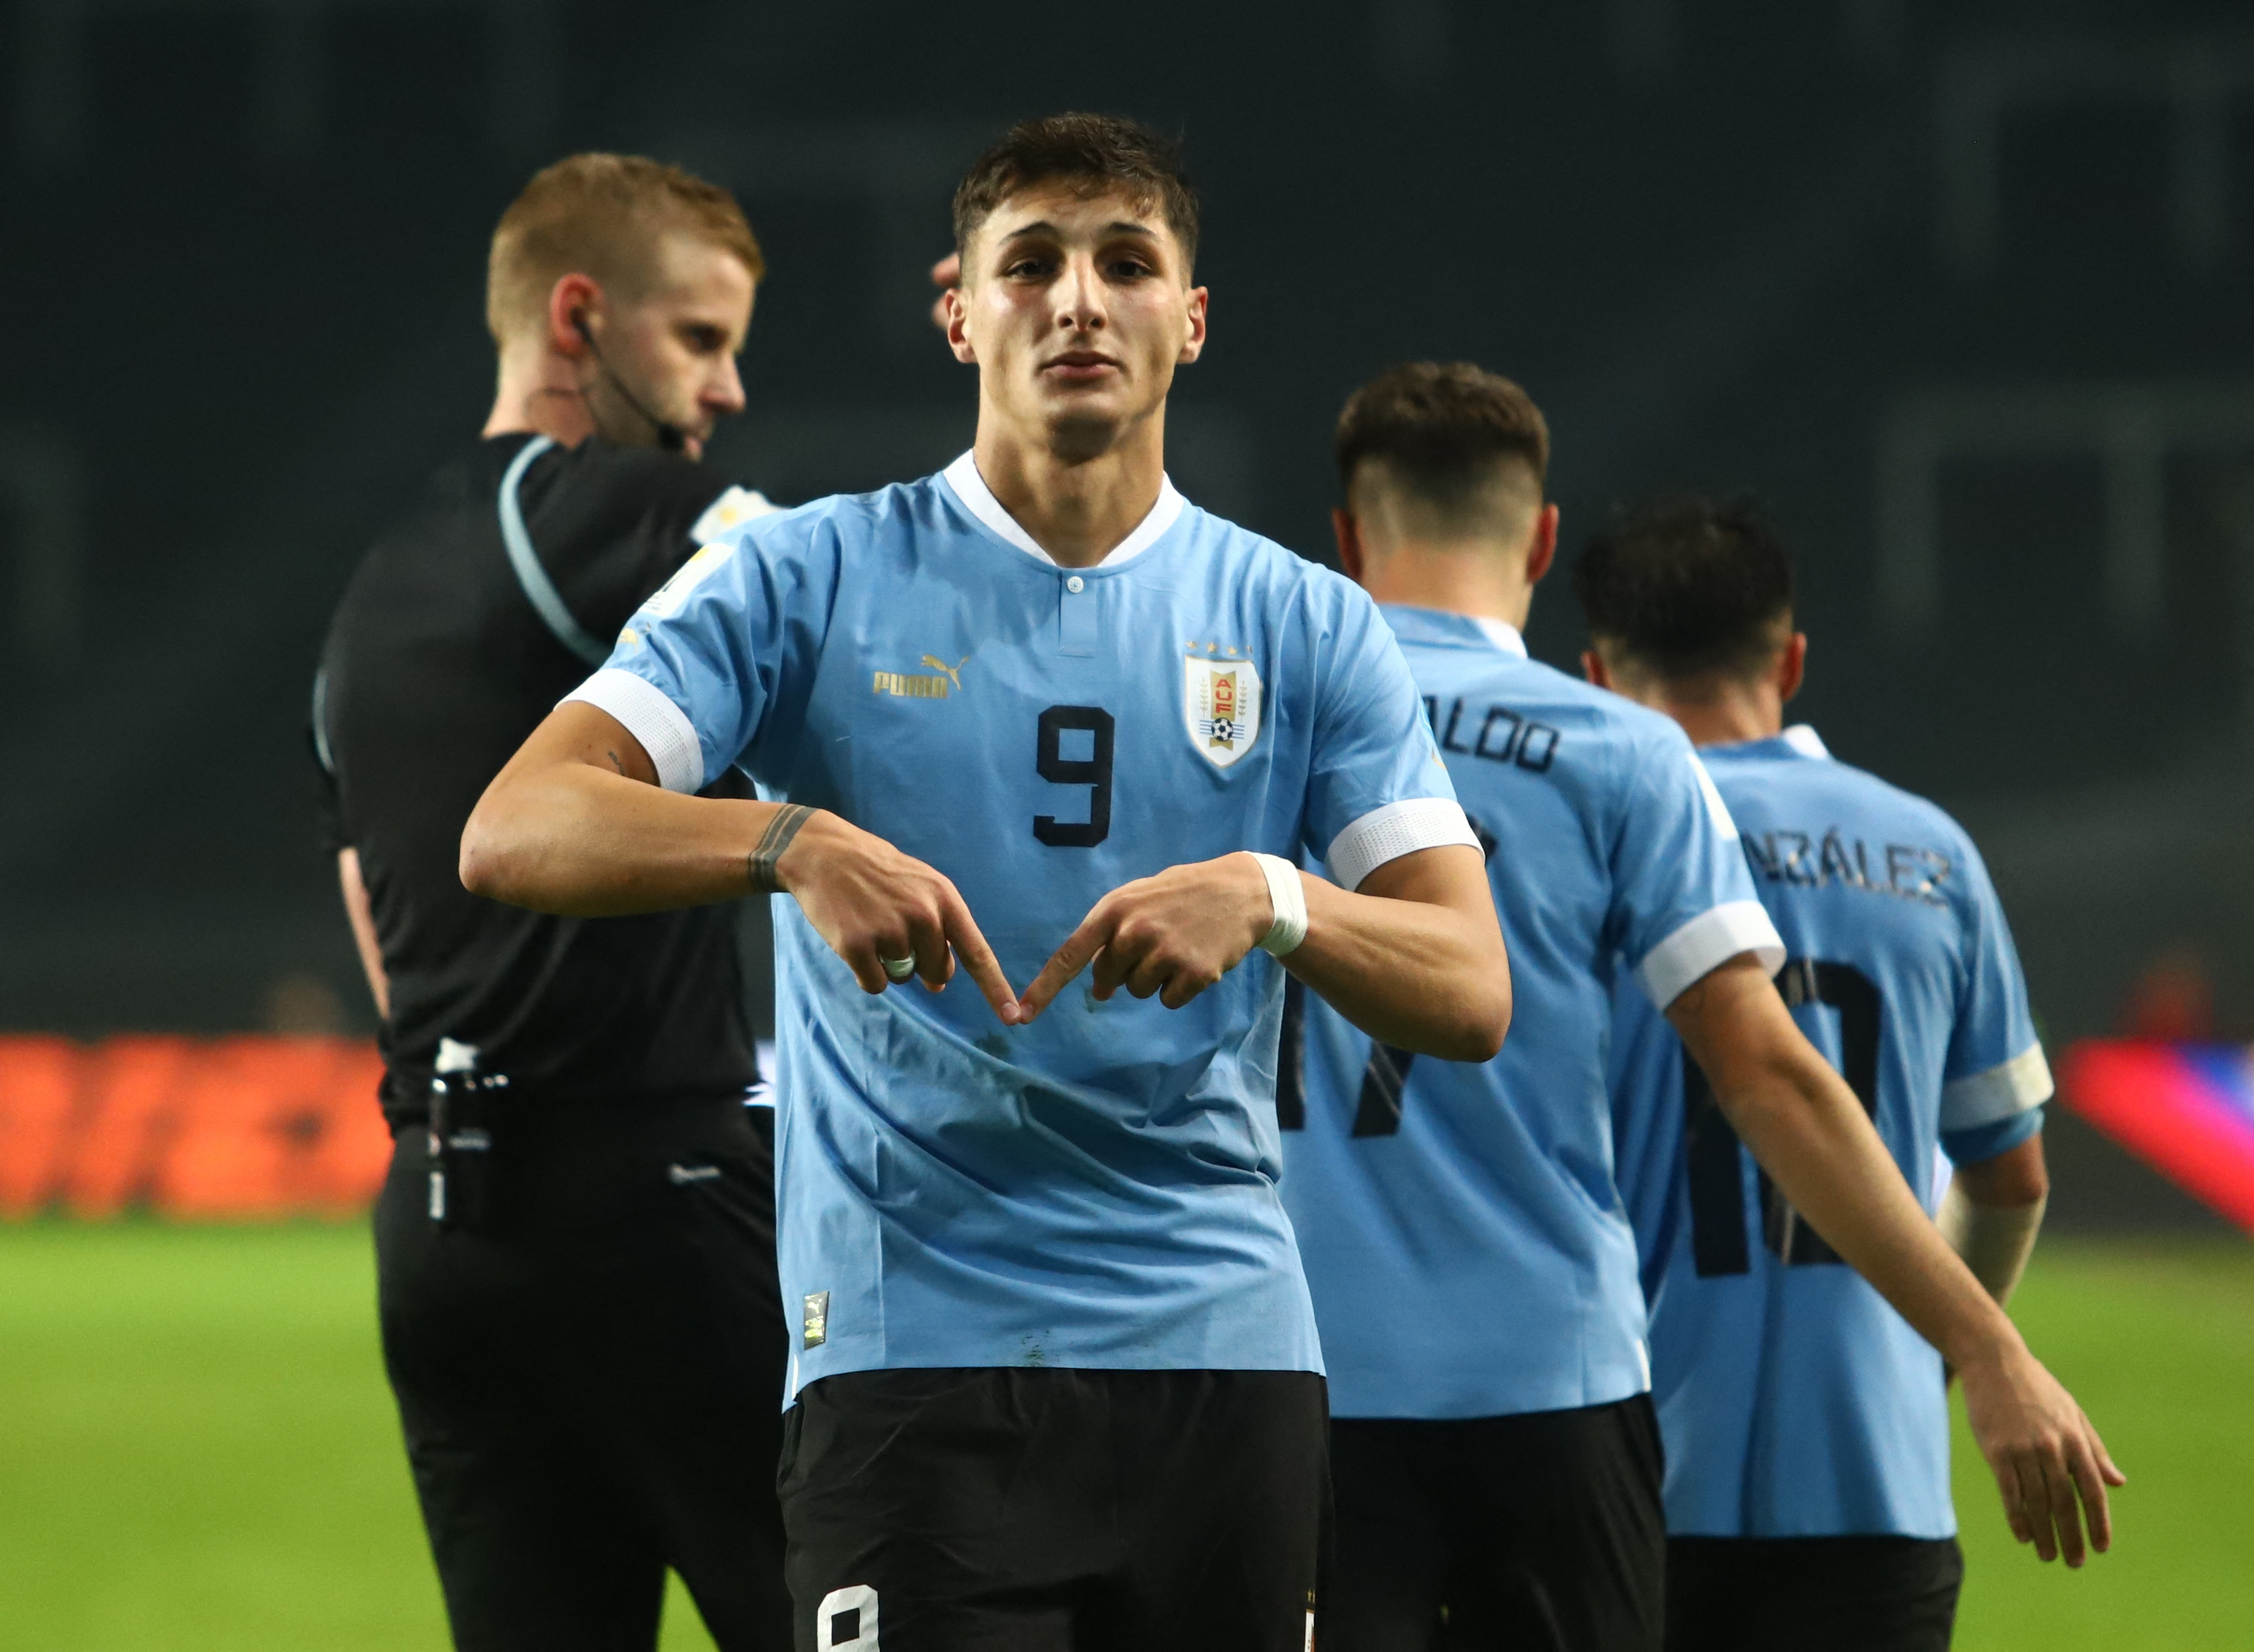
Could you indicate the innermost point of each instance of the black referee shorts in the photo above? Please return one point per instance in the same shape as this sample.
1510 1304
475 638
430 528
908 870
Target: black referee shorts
1789 1595
1535 1533
591 1392
1050 1510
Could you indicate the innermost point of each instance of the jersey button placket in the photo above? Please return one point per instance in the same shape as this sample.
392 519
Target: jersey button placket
1075 617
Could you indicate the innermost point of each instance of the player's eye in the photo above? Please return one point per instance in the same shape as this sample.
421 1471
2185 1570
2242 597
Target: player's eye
1026 269
705 340
1130 269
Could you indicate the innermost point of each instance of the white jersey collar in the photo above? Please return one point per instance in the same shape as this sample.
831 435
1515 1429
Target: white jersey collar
970 487
1805 740
1501 634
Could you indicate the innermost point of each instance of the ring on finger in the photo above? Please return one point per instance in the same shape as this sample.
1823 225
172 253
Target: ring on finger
898 968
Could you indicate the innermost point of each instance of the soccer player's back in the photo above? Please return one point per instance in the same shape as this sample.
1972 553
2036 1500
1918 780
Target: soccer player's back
1496 1456
1606 855
1806 1424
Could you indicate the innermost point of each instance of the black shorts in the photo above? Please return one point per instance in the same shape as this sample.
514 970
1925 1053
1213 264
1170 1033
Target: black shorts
1535 1532
591 1391
1786 1595
1052 1510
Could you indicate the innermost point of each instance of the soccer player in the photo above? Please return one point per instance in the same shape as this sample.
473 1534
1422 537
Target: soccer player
1056 1380
1806 1431
575 1245
1495 1453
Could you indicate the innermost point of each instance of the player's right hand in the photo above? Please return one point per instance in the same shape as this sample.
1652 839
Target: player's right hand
2044 1453
871 902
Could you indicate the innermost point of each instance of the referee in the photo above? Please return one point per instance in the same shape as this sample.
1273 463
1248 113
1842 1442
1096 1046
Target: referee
575 1246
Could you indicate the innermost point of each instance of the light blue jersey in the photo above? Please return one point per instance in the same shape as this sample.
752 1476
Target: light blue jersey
1794 1402
1097 1189
1468 1253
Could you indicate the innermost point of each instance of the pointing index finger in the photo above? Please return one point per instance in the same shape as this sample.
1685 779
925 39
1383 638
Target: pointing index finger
963 934
1068 961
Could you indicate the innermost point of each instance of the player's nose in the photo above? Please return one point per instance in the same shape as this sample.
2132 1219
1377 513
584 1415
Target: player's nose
1079 294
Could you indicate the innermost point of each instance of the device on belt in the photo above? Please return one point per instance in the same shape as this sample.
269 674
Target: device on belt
463 1104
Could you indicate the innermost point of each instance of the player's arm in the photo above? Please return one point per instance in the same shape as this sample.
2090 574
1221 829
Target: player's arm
362 919
1993 1210
1414 957
1811 1135
577 824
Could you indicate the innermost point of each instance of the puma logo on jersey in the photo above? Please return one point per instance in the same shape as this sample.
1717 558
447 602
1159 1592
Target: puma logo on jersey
913 686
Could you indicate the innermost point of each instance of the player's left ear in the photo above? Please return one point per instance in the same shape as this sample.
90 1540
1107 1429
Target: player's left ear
1194 346
1542 545
1592 667
1791 667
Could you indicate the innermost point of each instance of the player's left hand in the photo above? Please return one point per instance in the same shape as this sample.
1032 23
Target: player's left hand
1174 934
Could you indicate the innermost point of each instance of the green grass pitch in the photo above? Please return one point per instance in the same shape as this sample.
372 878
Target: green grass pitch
198 1452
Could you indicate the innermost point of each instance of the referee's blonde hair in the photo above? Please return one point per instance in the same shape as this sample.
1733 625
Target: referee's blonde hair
603 216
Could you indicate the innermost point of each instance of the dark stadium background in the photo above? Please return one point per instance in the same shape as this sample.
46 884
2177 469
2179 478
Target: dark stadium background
1965 291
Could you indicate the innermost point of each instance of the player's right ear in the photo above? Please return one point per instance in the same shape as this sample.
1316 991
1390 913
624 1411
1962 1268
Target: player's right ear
1592 667
958 324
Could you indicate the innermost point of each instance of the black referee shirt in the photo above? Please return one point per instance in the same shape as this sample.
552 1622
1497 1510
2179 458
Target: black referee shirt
437 666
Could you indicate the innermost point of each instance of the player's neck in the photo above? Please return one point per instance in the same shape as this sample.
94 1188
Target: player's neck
1077 509
539 392
1478 579
1726 714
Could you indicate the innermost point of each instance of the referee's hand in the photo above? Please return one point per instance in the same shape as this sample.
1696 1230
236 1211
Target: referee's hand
873 903
2048 1461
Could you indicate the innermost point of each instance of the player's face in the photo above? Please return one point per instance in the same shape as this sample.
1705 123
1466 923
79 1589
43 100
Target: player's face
1077 310
676 344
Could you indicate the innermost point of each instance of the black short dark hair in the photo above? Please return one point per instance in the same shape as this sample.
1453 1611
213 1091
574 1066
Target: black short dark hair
1096 151
1687 585
1439 428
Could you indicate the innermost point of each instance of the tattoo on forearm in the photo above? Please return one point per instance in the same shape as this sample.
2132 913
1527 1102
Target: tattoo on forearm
615 764
760 864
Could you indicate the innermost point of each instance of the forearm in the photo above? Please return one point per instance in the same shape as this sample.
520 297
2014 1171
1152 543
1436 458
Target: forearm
1993 1212
582 844
576 825
1809 1131
1414 973
1812 1136
361 916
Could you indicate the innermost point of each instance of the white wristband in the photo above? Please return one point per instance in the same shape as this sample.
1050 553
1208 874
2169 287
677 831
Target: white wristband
1287 897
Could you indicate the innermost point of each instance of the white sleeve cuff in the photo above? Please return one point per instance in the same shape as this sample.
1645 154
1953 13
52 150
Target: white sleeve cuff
662 727
1985 1098
1711 939
1397 829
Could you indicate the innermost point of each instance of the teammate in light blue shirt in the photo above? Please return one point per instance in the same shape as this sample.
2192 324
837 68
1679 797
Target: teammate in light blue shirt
1472 1266
1794 1404
1057 1371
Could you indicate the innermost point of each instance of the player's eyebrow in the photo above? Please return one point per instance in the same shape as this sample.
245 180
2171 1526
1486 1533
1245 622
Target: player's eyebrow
1042 226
